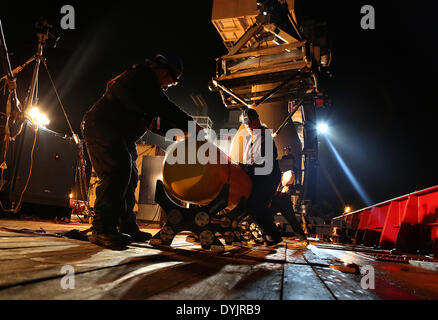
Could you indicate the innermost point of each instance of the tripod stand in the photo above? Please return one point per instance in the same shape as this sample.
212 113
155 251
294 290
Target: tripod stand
46 34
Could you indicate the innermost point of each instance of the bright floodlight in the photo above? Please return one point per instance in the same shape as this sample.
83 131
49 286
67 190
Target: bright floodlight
38 118
322 128
287 178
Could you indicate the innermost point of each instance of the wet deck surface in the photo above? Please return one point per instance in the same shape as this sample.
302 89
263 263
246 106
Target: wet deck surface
31 268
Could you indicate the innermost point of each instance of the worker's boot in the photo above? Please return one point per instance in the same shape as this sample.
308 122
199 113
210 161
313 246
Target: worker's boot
115 240
105 234
128 224
282 203
273 240
272 234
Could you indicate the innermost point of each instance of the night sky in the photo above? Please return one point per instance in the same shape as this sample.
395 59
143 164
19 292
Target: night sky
383 97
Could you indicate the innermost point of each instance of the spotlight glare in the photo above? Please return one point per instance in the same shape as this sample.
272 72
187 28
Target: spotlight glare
287 178
365 198
322 128
37 117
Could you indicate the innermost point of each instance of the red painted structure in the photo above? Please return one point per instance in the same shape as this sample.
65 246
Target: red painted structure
408 223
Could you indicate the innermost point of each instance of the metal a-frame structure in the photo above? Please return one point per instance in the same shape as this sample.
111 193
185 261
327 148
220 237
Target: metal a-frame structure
276 66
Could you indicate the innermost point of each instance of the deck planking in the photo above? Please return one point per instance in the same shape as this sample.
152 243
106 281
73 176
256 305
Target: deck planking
30 268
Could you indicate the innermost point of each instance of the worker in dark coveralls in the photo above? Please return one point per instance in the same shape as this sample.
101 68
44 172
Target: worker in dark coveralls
281 201
290 157
264 185
133 103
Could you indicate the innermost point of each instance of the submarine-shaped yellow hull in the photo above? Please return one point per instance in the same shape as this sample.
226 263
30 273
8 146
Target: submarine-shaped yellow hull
187 176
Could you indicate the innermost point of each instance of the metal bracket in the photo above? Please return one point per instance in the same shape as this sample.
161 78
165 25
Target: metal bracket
266 97
196 220
253 30
206 222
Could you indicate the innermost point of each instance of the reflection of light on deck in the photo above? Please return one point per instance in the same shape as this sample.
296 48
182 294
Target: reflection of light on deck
365 198
145 270
141 272
345 256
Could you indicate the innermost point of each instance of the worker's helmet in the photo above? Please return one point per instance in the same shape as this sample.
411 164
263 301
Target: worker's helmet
248 115
172 62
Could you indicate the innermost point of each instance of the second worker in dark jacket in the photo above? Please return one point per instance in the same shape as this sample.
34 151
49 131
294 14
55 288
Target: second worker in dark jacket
133 103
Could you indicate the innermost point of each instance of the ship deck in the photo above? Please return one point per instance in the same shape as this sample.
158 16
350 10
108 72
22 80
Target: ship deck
31 267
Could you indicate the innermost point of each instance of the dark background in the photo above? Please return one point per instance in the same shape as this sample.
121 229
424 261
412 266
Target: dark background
382 119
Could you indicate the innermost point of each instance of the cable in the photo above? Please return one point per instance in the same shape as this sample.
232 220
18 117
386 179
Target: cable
17 208
30 171
3 165
57 95
82 175
75 208
155 215
80 168
81 188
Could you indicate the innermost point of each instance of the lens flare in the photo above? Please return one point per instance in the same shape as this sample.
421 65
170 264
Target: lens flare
322 127
287 178
37 117
364 196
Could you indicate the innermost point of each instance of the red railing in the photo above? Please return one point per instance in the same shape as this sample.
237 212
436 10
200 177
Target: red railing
408 223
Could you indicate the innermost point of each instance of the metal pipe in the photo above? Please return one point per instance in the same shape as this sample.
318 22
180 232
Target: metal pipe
286 121
257 103
39 54
231 93
294 25
19 68
275 90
